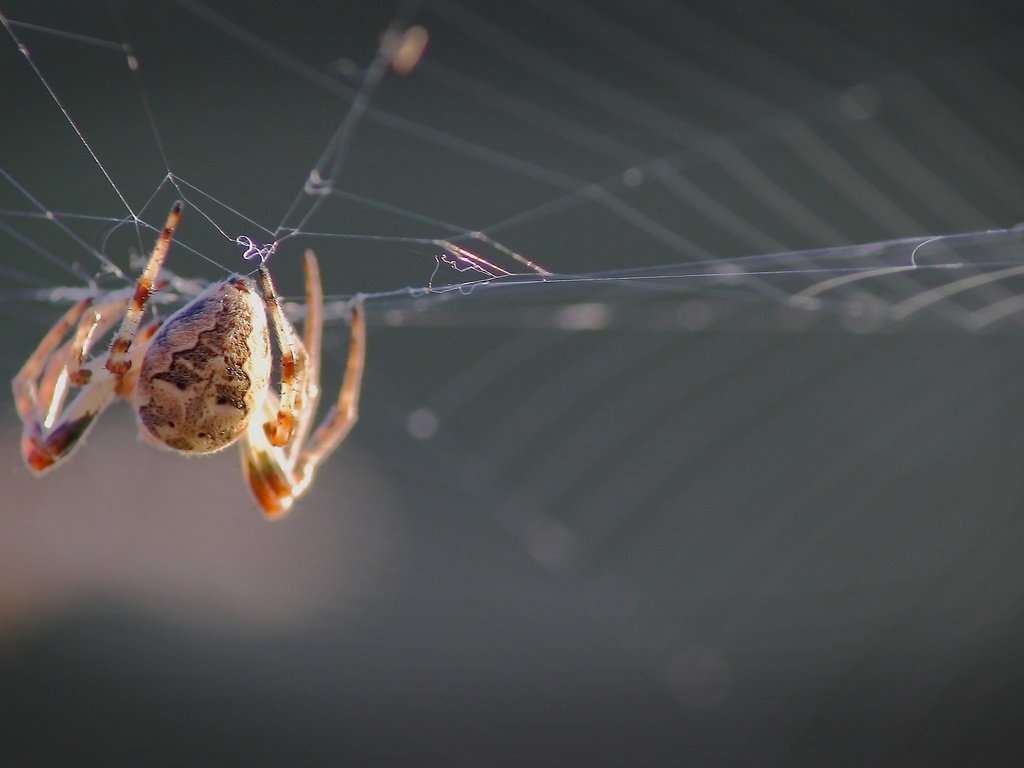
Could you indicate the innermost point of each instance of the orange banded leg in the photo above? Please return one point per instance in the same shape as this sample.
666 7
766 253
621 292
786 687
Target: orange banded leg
312 333
118 361
293 366
66 367
266 468
50 432
345 412
278 476
26 383
45 373
42 449
43 446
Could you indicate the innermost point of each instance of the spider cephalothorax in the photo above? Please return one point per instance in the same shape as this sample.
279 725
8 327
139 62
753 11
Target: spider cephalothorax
199 380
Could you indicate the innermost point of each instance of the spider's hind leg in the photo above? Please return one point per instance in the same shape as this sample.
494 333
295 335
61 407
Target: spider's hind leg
42 449
49 431
26 383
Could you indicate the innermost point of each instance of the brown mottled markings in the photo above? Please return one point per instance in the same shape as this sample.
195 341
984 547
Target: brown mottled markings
226 340
205 353
227 395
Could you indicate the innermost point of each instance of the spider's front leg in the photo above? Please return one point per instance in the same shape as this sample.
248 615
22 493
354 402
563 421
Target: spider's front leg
51 431
280 474
119 361
294 358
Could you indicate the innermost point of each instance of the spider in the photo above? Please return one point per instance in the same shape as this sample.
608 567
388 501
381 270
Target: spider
198 381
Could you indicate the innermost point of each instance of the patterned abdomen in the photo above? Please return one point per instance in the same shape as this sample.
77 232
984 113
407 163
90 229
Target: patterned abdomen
206 370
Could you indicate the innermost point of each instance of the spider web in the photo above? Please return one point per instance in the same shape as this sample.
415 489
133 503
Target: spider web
651 187
773 365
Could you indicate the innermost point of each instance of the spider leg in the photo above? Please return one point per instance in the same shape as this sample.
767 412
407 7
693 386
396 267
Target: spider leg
278 476
25 384
312 328
266 467
45 372
42 448
66 367
118 361
50 432
293 366
345 412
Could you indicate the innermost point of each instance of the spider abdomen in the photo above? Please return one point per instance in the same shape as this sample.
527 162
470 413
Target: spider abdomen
206 369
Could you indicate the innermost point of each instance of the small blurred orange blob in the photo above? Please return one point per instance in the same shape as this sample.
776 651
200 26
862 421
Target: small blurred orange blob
409 49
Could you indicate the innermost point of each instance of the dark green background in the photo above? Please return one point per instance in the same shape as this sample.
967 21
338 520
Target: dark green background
672 543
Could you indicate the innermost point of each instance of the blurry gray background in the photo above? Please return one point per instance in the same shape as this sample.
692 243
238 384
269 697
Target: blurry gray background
696 542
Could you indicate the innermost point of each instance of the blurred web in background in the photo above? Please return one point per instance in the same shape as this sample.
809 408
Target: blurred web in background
786 286
695 198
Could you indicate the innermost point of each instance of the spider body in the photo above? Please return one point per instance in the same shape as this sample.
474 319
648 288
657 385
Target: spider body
198 381
206 370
